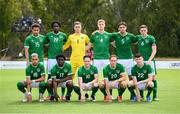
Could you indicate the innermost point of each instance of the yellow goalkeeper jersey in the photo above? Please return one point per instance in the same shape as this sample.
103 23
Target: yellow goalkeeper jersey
78 44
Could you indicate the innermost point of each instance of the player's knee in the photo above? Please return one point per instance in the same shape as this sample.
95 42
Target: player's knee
101 85
95 84
20 85
150 84
123 84
69 84
130 84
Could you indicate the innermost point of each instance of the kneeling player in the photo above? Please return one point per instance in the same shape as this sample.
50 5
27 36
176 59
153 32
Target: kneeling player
142 78
88 78
114 78
35 76
61 76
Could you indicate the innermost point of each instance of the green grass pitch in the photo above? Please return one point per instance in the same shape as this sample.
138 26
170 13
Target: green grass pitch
168 93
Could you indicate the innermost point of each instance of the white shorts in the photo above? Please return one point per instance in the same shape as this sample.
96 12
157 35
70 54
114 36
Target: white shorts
142 86
63 84
152 66
100 64
88 87
35 85
113 86
51 63
127 63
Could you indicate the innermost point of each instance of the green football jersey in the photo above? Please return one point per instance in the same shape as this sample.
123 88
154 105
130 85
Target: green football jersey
61 72
113 73
142 73
87 74
123 45
101 43
55 42
35 72
35 45
145 45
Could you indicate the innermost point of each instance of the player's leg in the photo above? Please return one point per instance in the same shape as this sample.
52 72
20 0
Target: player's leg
51 63
131 89
155 82
42 88
77 91
21 87
122 87
69 85
103 90
94 90
150 86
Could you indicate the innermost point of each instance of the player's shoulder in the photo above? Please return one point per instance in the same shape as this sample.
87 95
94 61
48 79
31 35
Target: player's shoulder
29 37
151 36
49 33
67 64
130 34
93 67
41 64
119 65
62 33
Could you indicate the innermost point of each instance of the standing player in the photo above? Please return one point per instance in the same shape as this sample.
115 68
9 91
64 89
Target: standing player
114 78
100 41
147 48
88 78
34 44
142 74
78 42
123 43
35 76
55 40
61 76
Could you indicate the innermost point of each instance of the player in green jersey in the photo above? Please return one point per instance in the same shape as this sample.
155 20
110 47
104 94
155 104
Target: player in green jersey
123 47
142 74
88 78
34 44
35 76
55 40
114 78
61 76
147 48
100 40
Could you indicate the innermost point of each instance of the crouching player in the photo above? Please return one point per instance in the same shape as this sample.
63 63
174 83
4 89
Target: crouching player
142 75
35 76
88 78
61 76
114 78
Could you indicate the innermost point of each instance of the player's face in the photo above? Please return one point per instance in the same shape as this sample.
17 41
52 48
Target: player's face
56 27
60 61
34 60
35 31
122 28
113 61
101 26
143 31
87 62
77 28
139 61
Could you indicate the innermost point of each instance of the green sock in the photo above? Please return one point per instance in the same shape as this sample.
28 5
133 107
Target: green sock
142 93
42 87
131 90
21 87
155 89
69 90
149 91
103 91
77 90
111 91
94 90
62 91
121 91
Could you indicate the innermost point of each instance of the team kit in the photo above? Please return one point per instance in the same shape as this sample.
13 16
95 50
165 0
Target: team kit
104 73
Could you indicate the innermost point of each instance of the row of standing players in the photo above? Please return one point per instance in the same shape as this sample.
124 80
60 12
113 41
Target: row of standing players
100 40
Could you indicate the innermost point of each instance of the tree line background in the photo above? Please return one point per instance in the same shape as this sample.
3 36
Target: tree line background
161 16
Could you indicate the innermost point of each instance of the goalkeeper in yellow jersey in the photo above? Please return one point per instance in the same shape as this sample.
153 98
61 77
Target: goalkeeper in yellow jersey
77 41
